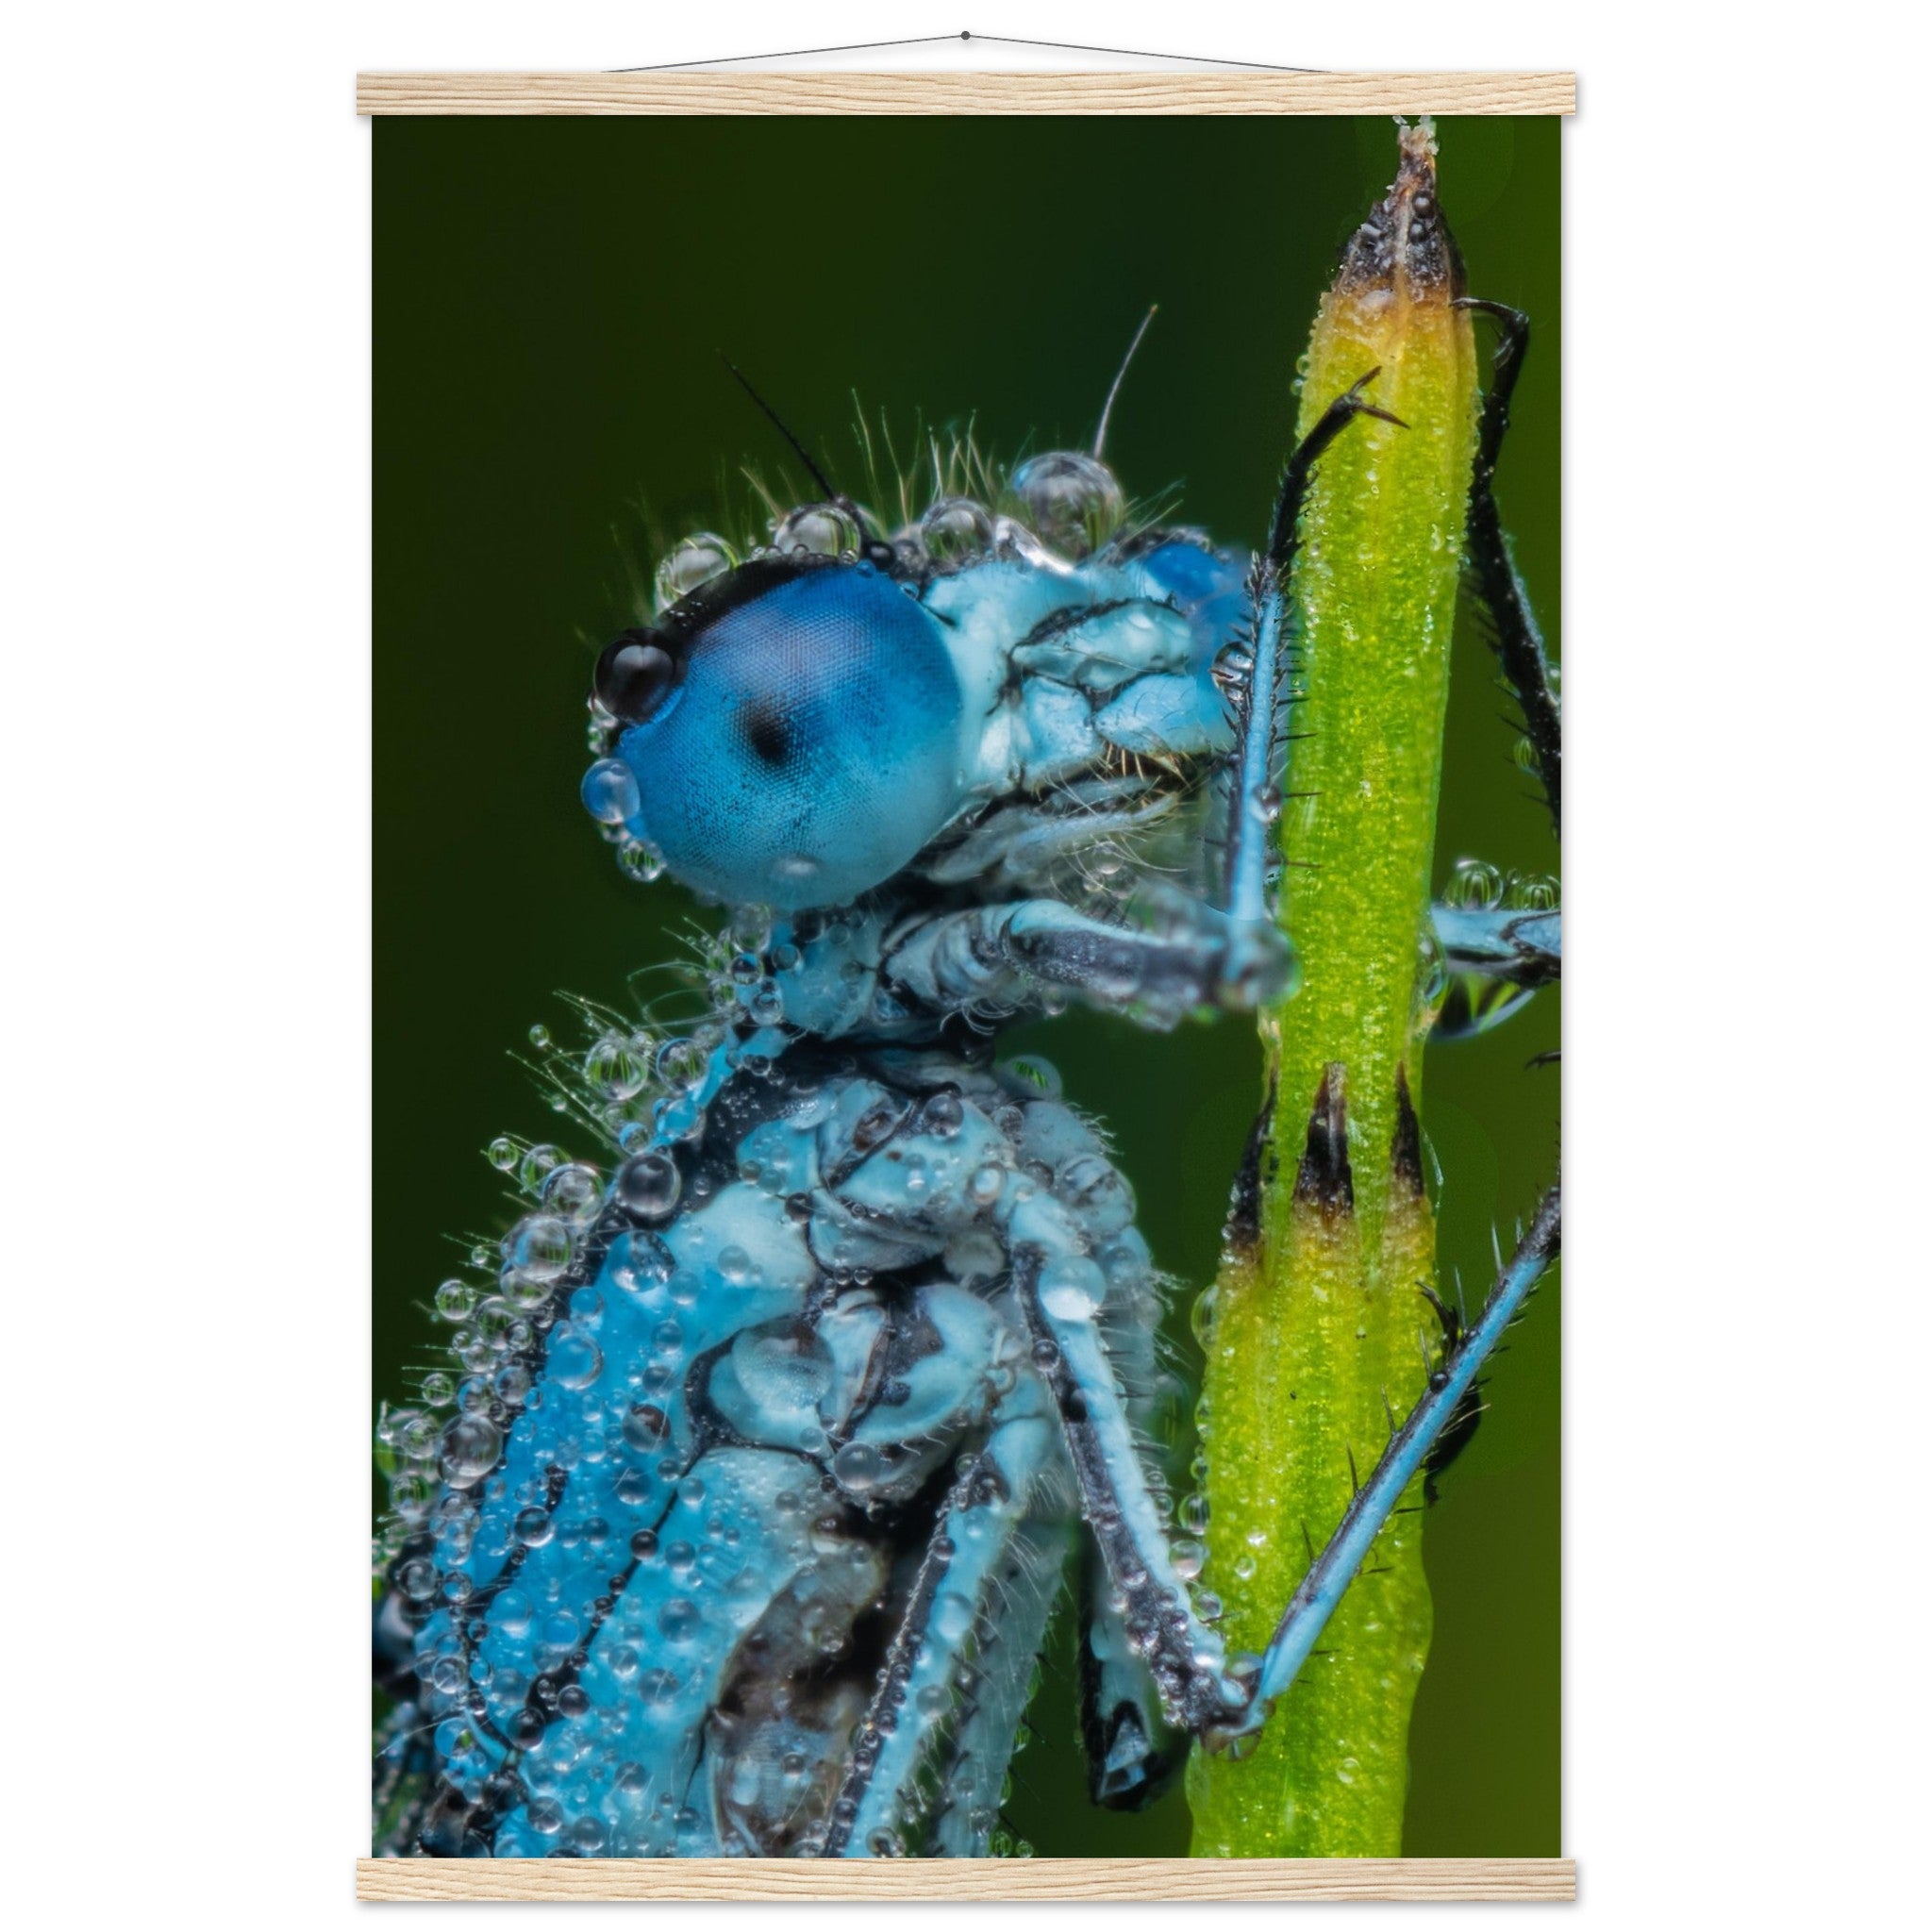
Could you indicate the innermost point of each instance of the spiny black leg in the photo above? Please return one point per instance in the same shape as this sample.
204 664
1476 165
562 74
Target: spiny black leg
1467 1413
1519 642
1283 533
1506 366
1257 720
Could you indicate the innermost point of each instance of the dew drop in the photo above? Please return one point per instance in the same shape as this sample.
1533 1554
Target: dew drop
1201 1316
471 1445
648 1185
1041 1076
858 1467
539 1246
411 1493
1071 499
1534 893
609 792
821 529
694 562
1071 1289
952 1617
986 1183
639 861
575 1360
572 1192
455 1300
617 1067
679 1620
955 531
1475 886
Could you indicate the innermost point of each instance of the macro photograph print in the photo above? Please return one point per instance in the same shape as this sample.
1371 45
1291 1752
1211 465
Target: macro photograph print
967 774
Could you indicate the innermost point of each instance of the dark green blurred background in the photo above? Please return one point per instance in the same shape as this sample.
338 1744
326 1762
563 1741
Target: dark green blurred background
550 298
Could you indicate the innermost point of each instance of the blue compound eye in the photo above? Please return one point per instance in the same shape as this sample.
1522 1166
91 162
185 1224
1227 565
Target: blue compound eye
793 732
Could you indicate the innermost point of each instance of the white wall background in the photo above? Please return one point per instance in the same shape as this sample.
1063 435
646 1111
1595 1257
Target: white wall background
184 765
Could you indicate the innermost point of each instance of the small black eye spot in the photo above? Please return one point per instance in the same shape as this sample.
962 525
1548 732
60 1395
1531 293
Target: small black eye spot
767 733
633 675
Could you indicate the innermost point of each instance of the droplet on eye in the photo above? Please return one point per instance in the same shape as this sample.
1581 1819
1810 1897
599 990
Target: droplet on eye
633 675
611 791
640 860
1071 499
692 564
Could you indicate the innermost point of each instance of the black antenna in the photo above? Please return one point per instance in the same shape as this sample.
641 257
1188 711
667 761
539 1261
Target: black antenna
1107 408
825 491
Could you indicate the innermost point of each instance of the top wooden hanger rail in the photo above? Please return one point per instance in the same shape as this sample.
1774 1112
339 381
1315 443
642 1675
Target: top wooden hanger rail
660 91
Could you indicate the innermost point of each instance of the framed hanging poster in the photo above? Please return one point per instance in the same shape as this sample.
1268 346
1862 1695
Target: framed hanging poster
967 763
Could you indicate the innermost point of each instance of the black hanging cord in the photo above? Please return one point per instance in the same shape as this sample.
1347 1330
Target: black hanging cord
992 40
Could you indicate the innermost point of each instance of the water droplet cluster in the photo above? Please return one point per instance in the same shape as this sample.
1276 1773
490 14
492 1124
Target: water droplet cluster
1475 886
636 1526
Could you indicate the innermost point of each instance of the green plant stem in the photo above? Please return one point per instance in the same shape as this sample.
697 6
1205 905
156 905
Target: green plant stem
1319 1330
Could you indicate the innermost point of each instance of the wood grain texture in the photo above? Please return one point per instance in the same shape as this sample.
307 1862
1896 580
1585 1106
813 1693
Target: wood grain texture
1255 1880
965 93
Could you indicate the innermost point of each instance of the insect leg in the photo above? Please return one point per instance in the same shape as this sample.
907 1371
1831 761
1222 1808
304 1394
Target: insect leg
402 1783
1518 640
403 1780
1329 1576
1258 717
1059 1295
968 1805
1132 1751
995 959
1524 948
1493 961
952 1619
